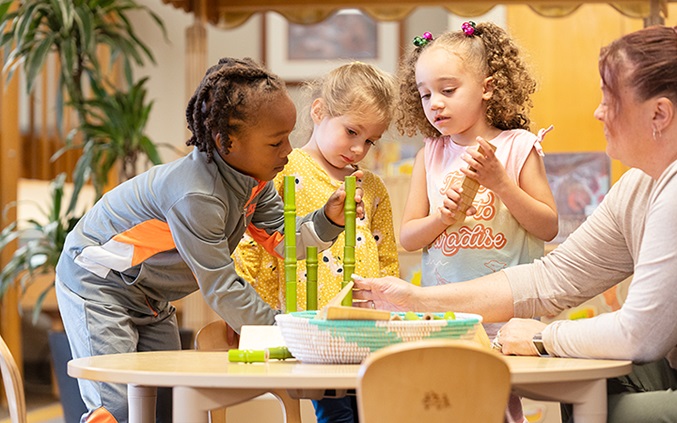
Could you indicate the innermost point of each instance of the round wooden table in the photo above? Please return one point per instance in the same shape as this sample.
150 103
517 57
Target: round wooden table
207 380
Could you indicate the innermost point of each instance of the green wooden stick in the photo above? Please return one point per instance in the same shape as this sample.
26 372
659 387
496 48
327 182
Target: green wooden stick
290 242
349 248
311 279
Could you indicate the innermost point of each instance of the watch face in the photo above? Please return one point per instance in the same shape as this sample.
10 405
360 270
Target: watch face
540 347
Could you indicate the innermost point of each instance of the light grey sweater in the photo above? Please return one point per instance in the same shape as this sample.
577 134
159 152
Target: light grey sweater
633 231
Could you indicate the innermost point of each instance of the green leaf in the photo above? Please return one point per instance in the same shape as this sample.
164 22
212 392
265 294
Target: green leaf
4 7
86 30
69 59
64 13
37 308
149 149
35 62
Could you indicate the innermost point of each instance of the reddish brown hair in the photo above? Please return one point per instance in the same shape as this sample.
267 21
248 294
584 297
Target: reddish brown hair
645 60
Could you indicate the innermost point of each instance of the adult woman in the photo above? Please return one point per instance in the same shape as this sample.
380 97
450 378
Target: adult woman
631 232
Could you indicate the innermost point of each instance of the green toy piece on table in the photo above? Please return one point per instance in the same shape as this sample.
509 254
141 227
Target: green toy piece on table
259 356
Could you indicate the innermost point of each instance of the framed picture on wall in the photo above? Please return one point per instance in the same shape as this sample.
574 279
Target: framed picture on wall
579 182
300 52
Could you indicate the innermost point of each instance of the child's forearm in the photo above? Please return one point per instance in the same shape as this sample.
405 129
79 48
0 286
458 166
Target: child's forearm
538 218
418 233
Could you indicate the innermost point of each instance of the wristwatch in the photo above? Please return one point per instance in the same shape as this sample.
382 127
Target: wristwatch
538 343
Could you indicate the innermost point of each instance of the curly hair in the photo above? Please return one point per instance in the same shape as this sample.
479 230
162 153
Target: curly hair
492 53
226 102
356 88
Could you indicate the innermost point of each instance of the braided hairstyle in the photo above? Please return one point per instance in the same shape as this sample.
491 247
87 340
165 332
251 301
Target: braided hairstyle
492 53
227 100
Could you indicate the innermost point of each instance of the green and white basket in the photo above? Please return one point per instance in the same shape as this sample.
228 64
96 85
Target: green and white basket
351 341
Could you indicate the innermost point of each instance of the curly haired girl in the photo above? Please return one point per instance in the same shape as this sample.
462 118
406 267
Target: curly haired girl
463 90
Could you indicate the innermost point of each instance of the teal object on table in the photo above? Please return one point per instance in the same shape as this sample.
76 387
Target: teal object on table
351 341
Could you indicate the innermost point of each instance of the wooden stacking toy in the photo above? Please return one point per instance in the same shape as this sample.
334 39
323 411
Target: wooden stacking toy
470 187
289 197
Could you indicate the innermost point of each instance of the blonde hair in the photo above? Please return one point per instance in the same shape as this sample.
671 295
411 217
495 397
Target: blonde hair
491 53
356 88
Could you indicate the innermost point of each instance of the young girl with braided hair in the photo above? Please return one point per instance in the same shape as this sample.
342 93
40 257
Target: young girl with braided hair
464 90
171 230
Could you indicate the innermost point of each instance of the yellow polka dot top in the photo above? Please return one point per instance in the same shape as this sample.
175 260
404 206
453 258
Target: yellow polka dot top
375 249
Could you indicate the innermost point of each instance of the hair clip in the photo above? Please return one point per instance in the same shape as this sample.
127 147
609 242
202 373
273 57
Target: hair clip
468 28
425 39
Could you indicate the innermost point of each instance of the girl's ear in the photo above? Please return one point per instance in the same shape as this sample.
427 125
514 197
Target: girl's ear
488 88
317 110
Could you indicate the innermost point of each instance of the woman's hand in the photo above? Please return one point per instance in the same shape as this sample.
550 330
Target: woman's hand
515 337
387 293
334 209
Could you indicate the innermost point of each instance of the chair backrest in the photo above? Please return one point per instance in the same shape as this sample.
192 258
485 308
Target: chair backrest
433 381
14 390
214 337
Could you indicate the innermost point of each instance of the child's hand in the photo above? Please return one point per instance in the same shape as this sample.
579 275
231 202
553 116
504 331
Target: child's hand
334 207
449 213
485 168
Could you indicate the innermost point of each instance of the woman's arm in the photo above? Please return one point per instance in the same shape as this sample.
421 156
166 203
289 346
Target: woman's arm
489 296
644 328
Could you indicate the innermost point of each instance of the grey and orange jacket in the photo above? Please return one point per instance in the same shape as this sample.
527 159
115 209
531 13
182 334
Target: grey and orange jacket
171 231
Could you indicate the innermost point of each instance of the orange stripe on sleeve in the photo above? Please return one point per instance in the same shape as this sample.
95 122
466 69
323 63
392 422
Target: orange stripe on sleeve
148 239
101 415
269 242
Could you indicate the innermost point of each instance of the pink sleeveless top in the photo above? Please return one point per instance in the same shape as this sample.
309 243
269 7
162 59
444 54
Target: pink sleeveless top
490 240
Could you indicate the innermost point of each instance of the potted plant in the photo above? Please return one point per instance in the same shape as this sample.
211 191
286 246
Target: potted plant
111 120
111 116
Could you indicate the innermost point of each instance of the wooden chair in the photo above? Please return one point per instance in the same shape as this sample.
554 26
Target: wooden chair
433 381
214 337
14 389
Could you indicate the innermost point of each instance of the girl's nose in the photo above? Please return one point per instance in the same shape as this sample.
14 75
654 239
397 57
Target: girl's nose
436 102
599 113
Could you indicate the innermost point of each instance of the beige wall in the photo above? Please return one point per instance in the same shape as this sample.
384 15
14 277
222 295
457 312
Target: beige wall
563 52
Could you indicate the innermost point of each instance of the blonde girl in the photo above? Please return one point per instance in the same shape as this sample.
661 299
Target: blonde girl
350 109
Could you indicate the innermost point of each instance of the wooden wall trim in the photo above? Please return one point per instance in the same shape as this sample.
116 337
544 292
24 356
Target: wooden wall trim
10 159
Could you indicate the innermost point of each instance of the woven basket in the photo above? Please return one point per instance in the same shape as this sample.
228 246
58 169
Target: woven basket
351 341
